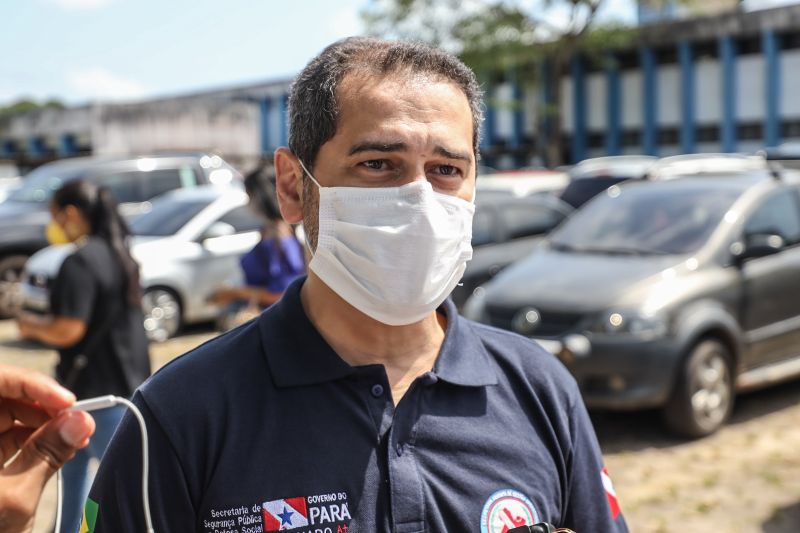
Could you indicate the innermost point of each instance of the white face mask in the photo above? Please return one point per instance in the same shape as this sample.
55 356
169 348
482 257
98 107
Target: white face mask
393 253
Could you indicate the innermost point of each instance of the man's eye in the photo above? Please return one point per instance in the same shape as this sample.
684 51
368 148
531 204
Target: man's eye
375 164
446 170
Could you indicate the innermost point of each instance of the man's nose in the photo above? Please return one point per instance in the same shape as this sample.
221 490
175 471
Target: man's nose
415 172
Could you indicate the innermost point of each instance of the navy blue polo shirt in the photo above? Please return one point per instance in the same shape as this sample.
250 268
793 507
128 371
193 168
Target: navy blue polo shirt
266 428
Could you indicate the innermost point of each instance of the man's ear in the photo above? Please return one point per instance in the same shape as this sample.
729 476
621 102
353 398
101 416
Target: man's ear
289 184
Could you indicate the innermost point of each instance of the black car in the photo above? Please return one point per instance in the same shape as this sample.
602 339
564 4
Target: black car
133 180
670 294
505 228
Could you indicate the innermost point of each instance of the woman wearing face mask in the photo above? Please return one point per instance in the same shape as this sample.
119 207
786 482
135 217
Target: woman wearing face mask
271 265
96 322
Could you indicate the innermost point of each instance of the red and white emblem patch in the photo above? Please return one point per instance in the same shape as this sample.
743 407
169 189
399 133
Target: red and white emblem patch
507 509
611 494
288 513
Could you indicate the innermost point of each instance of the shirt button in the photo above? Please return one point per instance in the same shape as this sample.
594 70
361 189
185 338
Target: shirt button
377 390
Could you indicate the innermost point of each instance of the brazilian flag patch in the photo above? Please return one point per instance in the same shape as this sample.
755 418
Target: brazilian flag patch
89 516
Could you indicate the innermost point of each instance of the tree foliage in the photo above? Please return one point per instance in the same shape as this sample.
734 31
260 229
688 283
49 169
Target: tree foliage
25 105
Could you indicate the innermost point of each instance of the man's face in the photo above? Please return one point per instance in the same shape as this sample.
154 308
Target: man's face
391 132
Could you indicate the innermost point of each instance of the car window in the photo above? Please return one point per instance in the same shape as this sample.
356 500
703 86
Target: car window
163 180
524 220
126 186
243 220
580 191
778 215
167 217
482 226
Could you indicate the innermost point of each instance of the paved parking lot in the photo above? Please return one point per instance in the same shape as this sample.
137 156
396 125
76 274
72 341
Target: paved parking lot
744 479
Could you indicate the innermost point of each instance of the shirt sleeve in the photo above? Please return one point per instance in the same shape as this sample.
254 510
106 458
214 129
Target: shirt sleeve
115 499
74 290
592 504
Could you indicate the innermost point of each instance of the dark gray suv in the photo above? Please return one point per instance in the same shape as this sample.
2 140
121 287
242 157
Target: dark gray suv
665 294
133 180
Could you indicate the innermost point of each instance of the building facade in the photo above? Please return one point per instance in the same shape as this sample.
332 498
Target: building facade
711 84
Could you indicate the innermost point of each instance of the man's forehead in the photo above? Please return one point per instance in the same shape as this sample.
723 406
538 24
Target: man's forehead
360 84
384 103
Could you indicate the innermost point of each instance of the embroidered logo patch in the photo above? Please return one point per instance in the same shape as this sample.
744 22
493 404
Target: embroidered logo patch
288 513
323 513
507 509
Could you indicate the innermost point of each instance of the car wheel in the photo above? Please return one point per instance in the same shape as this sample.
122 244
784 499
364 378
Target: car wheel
162 314
702 399
11 284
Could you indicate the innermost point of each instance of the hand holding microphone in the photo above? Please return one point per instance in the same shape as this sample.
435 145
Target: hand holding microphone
36 439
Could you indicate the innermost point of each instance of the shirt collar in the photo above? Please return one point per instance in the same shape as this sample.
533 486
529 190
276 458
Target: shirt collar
463 359
298 355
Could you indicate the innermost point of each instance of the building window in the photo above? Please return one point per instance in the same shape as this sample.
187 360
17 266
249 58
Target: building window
667 56
627 60
705 49
708 134
631 138
750 132
668 136
597 139
789 41
9 147
749 45
790 128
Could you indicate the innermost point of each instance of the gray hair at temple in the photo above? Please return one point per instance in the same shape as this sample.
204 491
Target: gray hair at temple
313 107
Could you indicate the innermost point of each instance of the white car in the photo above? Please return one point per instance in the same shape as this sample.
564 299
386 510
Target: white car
187 244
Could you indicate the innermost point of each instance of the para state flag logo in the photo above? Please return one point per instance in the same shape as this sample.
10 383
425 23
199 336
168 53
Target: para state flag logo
288 513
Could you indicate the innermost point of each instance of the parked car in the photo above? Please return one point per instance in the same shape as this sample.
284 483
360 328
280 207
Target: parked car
9 178
134 181
590 177
505 228
678 166
671 294
187 245
786 155
523 182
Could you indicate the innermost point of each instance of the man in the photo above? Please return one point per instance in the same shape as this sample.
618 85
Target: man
39 438
361 401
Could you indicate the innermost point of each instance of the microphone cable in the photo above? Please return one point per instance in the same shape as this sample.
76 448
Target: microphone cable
105 402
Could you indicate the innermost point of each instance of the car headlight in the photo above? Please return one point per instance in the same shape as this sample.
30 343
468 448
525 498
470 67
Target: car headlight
475 306
634 323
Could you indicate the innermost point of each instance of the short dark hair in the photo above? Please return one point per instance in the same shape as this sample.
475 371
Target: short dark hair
313 105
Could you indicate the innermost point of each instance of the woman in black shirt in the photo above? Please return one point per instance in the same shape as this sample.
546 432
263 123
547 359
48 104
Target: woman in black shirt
96 321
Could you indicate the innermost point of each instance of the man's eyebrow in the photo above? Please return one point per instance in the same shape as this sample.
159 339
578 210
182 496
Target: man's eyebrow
373 146
461 156
399 146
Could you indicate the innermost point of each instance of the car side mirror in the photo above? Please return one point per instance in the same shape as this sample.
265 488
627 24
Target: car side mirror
758 245
217 229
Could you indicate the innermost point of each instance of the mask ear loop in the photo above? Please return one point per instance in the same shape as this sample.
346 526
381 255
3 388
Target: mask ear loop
309 174
305 233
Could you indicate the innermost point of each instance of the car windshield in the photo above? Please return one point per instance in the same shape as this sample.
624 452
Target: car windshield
168 216
39 184
646 219
580 191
